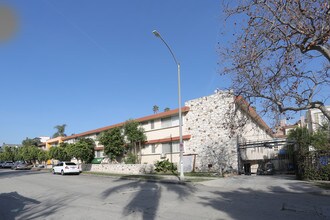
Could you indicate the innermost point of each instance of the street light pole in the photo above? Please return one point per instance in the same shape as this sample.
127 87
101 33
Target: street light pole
157 34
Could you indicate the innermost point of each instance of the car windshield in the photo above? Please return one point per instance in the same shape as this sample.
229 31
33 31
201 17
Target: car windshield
70 163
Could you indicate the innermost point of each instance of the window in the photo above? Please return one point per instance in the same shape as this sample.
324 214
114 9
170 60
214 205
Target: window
170 121
175 120
316 117
153 148
166 148
166 122
144 124
99 154
175 147
170 147
152 124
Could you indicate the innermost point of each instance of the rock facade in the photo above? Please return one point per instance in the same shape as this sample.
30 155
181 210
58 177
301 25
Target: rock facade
212 142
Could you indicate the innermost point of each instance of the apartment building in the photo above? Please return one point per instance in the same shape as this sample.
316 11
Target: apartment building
315 119
210 141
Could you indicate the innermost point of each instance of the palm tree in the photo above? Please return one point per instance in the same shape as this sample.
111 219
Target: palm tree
166 109
60 131
155 109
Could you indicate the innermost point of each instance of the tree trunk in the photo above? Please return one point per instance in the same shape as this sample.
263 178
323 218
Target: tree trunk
140 154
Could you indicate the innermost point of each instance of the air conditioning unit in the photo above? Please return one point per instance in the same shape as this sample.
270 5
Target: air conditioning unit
163 156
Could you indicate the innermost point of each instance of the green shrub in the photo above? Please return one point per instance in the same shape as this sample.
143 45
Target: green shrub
165 166
322 173
130 158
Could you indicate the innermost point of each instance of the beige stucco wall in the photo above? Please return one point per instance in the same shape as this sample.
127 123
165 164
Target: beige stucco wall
162 133
152 158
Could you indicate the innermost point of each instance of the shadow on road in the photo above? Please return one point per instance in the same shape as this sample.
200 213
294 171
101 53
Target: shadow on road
13 204
276 203
281 176
8 173
146 196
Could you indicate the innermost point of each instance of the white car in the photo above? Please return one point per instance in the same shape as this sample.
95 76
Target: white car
66 168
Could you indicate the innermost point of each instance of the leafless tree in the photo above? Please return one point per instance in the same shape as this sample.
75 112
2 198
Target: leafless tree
280 55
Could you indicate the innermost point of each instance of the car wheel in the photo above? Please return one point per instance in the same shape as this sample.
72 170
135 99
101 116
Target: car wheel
62 172
53 171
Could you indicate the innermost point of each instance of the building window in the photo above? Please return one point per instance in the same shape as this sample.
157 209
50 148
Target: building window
175 120
170 147
166 122
170 121
316 117
153 148
166 148
99 154
152 124
175 147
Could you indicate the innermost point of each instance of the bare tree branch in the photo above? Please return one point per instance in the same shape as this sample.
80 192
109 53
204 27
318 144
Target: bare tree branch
281 54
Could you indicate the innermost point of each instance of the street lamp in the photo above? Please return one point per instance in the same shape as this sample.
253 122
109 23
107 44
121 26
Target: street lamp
157 34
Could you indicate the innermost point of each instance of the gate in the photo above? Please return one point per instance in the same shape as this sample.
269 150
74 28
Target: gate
253 154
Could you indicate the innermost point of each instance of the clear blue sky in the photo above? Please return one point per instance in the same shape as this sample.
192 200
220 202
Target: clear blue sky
90 64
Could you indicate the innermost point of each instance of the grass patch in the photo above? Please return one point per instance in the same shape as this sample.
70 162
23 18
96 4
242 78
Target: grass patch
197 174
323 185
143 177
167 173
102 173
197 180
192 174
125 176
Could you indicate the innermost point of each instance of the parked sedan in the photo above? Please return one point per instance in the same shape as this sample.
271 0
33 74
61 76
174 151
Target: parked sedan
66 168
21 166
266 169
7 164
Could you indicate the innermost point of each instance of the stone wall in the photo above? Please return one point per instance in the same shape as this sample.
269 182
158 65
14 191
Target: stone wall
119 168
215 148
215 131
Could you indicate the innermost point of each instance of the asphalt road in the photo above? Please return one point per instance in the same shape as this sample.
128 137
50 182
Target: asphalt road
40 195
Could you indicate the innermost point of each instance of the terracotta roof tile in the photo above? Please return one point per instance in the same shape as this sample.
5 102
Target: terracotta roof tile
146 118
245 106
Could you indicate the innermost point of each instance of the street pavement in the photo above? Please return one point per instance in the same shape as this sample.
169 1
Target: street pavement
41 195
